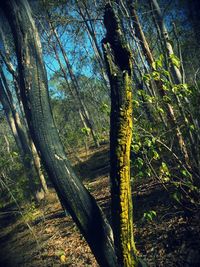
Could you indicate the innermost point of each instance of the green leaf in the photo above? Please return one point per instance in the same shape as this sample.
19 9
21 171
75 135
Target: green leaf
165 88
177 196
148 172
160 110
156 75
136 103
85 130
141 174
192 127
150 99
105 108
164 169
166 99
140 92
146 77
155 155
175 60
135 148
159 61
165 73
147 142
185 173
139 162
166 179
149 215
14 154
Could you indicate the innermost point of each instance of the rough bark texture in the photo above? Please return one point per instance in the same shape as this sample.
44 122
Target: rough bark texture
6 57
118 60
34 92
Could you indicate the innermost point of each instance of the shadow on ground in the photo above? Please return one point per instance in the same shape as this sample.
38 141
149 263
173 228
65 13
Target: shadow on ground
96 165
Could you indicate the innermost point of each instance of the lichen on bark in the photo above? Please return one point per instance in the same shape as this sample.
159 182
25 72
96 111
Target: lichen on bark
119 67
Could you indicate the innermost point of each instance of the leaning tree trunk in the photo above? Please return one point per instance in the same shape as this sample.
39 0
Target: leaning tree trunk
34 92
159 84
118 61
70 90
166 40
20 120
86 16
20 139
76 88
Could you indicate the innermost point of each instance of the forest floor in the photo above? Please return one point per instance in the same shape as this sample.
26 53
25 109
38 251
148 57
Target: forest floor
43 236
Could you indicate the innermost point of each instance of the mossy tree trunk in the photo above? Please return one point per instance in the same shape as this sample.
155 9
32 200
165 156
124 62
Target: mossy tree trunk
34 93
118 61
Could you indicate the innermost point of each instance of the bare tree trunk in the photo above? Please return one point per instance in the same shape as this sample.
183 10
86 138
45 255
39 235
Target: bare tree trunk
8 147
176 73
166 39
92 37
38 167
150 59
26 143
20 140
135 31
76 88
71 91
34 92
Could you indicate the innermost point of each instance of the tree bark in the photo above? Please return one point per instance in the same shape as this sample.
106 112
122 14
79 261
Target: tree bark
21 142
118 61
166 39
150 59
20 121
34 92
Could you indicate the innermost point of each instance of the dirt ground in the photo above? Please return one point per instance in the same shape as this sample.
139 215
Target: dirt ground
44 236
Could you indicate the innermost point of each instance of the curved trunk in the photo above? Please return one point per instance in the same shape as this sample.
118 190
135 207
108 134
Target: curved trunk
20 121
34 92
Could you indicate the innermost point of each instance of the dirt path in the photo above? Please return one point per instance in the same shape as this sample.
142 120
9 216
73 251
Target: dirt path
50 239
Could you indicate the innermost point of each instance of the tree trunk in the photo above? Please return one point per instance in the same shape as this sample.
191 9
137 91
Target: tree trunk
150 59
20 121
71 91
167 43
118 60
34 92
38 167
93 39
76 88
24 152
